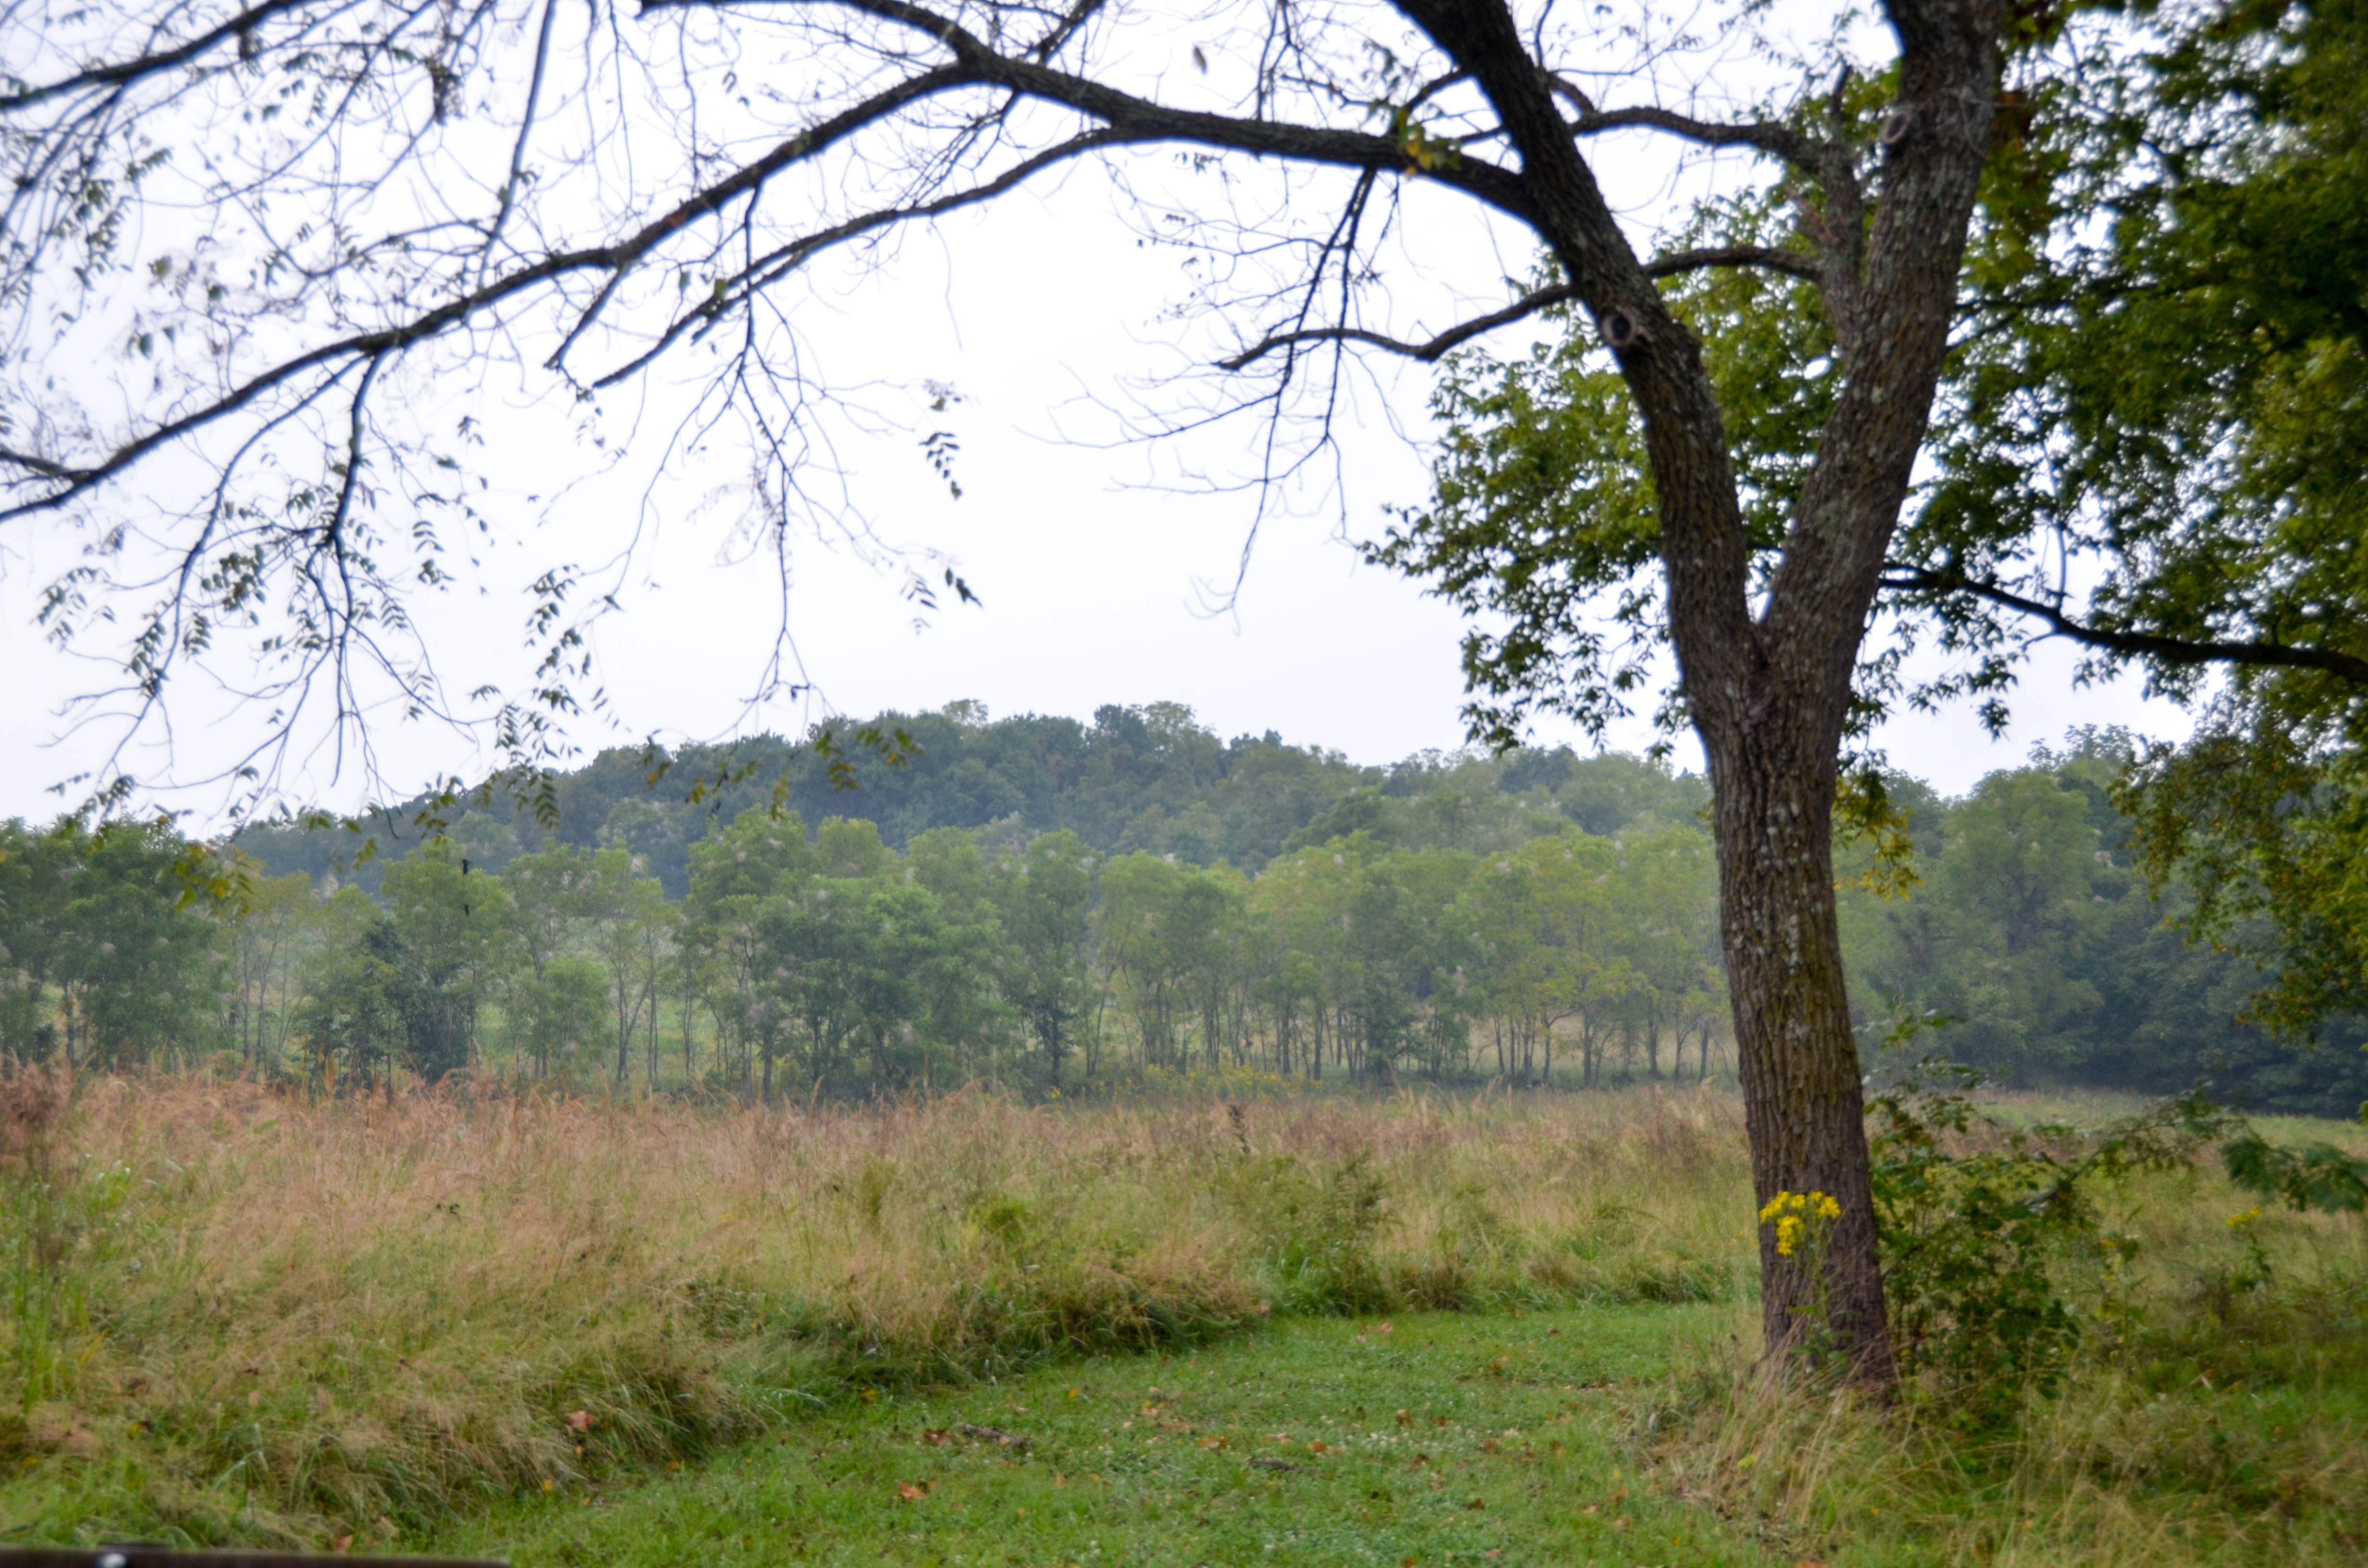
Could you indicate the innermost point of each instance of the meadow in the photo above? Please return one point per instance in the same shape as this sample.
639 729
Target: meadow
239 1314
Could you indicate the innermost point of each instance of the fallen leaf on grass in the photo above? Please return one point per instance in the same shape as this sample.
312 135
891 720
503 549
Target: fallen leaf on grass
910 1493
579 1421
1264 1463
1475 1505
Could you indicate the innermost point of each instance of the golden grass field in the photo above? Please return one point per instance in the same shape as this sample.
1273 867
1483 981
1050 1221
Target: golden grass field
360 1308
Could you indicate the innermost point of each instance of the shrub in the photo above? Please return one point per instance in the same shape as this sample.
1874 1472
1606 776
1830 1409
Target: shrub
1977 1217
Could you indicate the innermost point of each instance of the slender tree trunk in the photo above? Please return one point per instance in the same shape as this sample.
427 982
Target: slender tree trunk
624 1037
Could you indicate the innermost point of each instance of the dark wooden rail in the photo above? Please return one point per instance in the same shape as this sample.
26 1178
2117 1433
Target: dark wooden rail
136 1555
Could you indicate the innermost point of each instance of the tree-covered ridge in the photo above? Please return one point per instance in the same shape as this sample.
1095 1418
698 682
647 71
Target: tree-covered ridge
1540 916
1147 778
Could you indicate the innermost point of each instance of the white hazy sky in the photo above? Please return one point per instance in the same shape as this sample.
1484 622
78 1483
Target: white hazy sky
1096 561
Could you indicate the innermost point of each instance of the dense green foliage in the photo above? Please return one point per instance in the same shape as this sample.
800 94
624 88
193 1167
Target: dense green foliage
1513 919
2033 940
2166 383
2148 438
99 956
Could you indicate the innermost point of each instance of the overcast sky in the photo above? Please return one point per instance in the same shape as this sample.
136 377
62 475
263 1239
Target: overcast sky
1102 563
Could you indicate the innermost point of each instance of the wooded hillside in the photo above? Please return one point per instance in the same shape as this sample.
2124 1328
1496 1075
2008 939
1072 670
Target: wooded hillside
1063 905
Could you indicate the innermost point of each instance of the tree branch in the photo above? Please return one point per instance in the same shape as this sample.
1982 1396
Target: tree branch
1777 140
1139 120
782 260
1798 264
615 258
132 70
1528 305
1126 119
2137 644
1791 262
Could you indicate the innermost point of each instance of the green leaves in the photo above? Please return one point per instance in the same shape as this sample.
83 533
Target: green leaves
2160 388
1975 1215
1543 523
2318 1176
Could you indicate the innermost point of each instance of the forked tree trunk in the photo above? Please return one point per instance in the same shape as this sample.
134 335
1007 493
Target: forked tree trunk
1767 646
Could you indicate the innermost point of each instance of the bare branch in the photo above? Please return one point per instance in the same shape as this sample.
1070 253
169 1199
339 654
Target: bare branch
612 259
1138 120
526 131
2257 654
779 262
1528 305
122 73
1127 119
1776 140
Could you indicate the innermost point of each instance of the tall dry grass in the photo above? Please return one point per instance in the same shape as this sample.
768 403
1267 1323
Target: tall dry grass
238 1315
2216 1412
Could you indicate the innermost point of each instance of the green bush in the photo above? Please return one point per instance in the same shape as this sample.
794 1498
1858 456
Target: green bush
1977 1219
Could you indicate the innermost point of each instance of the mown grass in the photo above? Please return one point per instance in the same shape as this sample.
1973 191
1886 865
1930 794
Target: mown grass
502 1325
1444 1438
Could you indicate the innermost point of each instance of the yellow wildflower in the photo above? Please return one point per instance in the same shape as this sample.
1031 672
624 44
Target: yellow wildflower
2239 1222
1790 1212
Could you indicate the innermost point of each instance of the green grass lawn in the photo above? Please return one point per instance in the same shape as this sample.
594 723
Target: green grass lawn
1440 1437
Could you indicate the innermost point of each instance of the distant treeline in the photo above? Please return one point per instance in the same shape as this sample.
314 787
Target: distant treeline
1145 779
1061 906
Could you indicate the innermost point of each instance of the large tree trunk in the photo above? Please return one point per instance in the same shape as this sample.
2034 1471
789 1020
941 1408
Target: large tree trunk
1796 1051
1767 647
